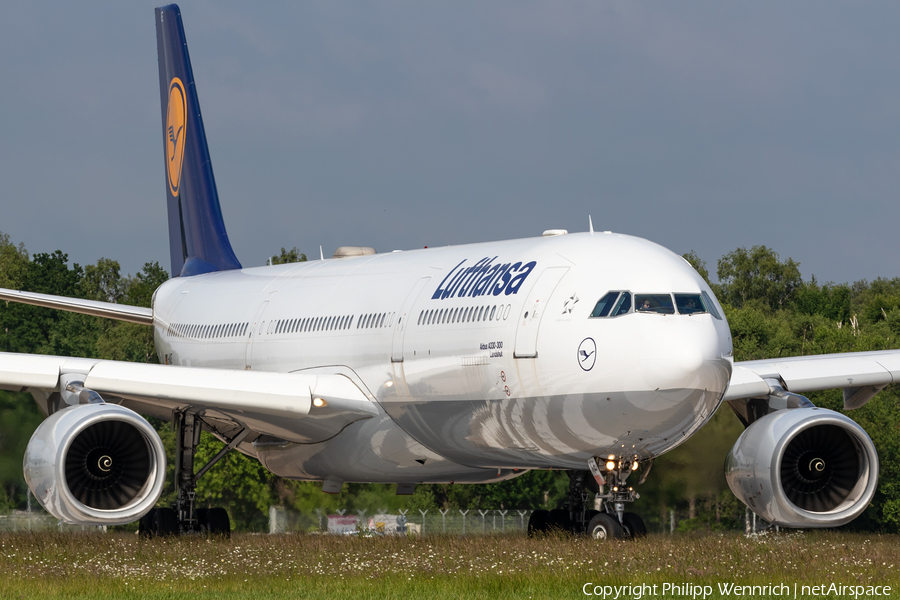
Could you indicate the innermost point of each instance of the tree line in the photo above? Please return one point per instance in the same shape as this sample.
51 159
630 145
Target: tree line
772 311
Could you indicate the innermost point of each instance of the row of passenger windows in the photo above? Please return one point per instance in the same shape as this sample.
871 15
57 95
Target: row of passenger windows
309 324
615 304
207 331
464 314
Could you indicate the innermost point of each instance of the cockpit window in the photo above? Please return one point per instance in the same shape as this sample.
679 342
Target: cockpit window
689 304
654 303
604 305
612 304
623 305
711 306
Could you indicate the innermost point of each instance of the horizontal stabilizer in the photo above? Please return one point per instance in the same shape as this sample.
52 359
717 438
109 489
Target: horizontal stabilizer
110 310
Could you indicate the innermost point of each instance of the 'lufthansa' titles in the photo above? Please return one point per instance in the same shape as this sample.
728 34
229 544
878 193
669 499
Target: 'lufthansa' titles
484 278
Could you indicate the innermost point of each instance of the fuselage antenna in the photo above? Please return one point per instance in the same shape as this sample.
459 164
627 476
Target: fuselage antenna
321 254
590 225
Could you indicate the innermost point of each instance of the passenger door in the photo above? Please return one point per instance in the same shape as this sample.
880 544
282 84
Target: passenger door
533 311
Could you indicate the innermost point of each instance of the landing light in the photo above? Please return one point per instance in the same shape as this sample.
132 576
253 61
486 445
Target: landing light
319 402
634 466
610 466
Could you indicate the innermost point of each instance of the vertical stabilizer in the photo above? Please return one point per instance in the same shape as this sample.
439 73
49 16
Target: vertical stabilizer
198 241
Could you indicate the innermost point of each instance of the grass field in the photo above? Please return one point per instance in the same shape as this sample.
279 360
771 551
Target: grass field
511 566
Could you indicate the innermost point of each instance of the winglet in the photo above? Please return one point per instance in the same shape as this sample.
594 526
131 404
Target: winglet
198 242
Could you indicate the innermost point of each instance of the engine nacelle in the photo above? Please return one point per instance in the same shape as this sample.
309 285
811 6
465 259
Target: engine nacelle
804 467
96 464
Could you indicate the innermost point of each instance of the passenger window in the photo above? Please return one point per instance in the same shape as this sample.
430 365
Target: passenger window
689 304
623 305
604 305
654 303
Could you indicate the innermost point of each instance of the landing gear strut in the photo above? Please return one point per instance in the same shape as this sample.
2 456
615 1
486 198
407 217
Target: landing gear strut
577 513
183 517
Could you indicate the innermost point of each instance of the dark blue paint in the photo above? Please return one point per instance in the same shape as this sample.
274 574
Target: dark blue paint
198 242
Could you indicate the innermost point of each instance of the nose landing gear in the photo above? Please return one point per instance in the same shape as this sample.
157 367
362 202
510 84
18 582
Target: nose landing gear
578 514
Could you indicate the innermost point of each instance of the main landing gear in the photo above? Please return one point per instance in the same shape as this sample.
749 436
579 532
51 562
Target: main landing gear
577 514
183 517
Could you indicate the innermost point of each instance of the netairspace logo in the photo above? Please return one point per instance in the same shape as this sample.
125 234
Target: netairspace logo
483 278
690 590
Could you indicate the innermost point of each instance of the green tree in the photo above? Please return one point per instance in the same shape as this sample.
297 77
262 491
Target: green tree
13 263
757 274
288 256
699 265
102 281
19 417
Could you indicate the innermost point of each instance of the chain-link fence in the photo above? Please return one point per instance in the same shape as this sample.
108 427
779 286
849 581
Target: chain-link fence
403 522
21 520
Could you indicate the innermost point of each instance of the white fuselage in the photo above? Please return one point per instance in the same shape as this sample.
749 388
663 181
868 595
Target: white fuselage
481 359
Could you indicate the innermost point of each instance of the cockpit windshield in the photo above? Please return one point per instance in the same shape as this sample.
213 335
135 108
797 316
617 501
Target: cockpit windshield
617 303
654 303
612 304
689 304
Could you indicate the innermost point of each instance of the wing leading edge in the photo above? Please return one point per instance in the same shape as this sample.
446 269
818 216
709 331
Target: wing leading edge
861 375
277 404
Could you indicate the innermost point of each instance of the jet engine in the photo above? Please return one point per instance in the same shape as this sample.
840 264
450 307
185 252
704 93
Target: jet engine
804 467
96 464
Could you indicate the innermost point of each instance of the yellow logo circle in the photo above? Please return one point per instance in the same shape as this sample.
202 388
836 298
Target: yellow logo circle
175 133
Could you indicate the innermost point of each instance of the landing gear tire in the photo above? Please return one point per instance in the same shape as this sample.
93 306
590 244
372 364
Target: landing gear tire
218 523
202 523
588 515
559 521
634 526
164 523
537 523
145 525
604 526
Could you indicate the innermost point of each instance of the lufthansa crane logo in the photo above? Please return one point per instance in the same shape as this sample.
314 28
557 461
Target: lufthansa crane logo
587 354
175 132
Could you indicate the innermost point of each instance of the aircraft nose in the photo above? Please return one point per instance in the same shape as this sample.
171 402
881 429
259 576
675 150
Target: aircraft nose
684 354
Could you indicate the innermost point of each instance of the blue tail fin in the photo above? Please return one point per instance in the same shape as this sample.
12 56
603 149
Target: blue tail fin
198 241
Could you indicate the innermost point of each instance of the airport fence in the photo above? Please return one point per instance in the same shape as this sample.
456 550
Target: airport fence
36 520
402 522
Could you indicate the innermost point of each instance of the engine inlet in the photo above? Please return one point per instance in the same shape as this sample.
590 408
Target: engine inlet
820 468
107 465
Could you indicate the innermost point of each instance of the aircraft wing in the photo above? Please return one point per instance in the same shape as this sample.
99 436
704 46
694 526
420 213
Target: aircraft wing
860 374
276 404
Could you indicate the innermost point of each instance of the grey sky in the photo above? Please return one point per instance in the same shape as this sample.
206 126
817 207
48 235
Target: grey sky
702 125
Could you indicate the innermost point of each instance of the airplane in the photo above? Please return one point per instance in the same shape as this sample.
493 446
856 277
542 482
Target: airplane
590 352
